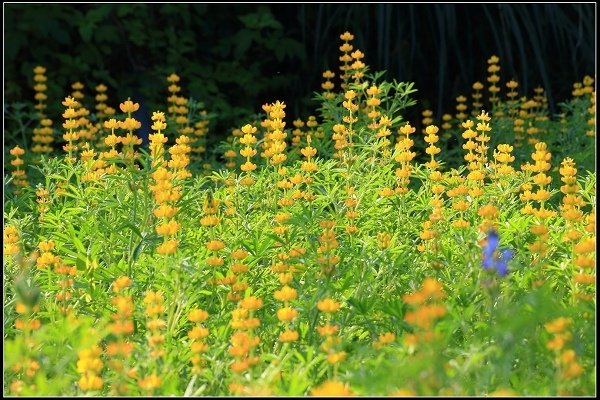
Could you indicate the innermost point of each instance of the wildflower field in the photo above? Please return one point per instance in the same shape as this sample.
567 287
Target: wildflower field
350 252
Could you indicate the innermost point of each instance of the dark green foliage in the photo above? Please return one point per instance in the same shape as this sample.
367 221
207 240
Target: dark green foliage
235 56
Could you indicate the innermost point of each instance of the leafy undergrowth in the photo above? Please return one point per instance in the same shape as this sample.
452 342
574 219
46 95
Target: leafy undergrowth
346 260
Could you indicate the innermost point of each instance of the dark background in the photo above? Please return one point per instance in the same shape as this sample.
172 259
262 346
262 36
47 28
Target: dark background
236 57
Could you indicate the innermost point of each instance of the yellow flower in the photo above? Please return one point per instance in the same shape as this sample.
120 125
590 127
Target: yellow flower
328 74
153 297
248 152
39 70
158 116
558 325
288 336
350 94
585 262
539 230
478 86
248 166
46 245
286 294
433 288
168 229
90 382
334 358
431 130
385 338
249 129
70 113
488 212
586 246
286 314
150 382
173 78
385 192
432 150
158 126
198 332
210 220
308 151
156 324
17 151
572 371
169 247
251 303
407 129
129 106
248 139
165 211
70 102
331 388
328 305
239 254
493 59
239 268
199 347
346 36
130 124
586 279
215 245
215 261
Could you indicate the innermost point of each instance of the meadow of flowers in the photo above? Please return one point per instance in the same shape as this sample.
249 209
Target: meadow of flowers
351 252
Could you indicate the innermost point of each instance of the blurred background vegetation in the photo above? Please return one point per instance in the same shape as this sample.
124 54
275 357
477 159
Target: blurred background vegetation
236 57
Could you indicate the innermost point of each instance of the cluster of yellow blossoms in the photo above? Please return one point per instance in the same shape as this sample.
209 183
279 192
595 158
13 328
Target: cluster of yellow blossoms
427 310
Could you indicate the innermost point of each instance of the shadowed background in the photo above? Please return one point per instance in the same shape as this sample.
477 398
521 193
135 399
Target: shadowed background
236 57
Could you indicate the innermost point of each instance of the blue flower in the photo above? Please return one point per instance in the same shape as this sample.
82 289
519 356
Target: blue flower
494 258
489 249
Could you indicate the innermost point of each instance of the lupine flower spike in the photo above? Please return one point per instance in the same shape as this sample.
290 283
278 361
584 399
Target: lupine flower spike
493 258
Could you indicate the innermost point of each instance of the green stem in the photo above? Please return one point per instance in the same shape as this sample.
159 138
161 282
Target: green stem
133 220
174 313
